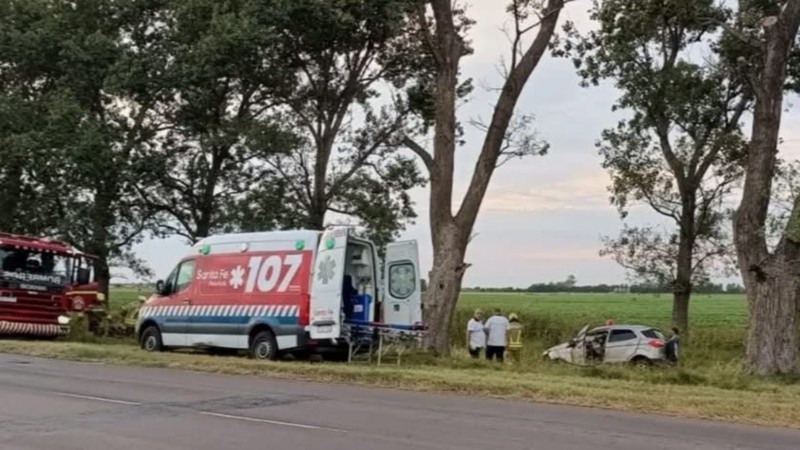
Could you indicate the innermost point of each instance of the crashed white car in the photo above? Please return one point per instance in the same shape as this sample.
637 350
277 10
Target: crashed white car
612 344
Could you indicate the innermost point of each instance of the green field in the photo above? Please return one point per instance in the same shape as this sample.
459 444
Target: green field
719 310
120 297
717 321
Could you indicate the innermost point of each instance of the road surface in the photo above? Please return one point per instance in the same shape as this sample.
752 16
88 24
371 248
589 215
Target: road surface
47 404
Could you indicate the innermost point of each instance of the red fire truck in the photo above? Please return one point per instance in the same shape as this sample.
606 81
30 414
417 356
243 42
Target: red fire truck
41 281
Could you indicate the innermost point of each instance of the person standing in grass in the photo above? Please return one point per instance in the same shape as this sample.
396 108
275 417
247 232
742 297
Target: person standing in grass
671 348
476 338
514 338
496 328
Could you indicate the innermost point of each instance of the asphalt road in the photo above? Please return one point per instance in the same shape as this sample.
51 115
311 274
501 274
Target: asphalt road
47 404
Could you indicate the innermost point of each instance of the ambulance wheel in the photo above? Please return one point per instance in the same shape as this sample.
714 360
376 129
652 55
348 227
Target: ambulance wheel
264 346
151 339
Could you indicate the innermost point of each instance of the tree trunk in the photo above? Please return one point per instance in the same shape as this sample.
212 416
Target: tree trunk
102 274
444 288
9 202
771 279
102 215
772 299
208 208
450 233
316 217
448 253
203 225
682 287
680 306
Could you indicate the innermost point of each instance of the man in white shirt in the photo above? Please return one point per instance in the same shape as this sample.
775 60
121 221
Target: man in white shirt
496 328
476 337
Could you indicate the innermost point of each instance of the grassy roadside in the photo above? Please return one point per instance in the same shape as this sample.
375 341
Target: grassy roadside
681 393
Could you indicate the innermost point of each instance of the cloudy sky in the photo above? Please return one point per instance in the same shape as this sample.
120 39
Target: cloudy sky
543 217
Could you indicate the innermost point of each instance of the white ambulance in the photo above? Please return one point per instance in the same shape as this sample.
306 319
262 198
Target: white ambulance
281 291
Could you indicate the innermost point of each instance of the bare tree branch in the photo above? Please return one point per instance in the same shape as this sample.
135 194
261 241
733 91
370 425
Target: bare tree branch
427 35
426 157
503 113
378 142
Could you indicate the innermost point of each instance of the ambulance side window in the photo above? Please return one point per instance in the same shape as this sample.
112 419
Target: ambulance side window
169 285
185 275
180 278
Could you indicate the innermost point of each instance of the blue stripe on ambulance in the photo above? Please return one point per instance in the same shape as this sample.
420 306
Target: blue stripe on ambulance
230 314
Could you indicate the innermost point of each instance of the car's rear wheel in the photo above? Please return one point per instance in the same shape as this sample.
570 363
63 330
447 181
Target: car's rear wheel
151 339
641 361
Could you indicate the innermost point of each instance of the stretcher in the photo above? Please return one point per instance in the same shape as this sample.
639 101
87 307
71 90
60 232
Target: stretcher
380 340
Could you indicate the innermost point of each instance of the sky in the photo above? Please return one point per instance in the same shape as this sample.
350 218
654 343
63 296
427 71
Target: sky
543 217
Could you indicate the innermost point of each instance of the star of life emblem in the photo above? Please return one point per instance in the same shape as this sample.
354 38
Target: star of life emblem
237 277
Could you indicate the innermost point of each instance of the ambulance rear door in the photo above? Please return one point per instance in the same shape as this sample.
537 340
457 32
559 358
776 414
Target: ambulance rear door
325 317
402 286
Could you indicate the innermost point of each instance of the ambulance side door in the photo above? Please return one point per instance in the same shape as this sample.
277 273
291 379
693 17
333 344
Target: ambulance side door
174 304
325 315
402 287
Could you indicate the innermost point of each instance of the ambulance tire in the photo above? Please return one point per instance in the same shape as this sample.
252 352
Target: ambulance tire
264 346
151 339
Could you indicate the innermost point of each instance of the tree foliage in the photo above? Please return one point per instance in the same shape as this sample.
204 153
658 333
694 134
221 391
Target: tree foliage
341 54
119 119
680 149
215 113
66 64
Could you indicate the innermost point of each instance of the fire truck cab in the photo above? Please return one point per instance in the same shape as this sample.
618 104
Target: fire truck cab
282 291
41 281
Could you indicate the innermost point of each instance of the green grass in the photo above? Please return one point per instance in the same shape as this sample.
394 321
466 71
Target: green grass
120 297
708 383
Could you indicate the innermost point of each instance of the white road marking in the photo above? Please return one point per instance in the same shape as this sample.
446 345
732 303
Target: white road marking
271 422
98 399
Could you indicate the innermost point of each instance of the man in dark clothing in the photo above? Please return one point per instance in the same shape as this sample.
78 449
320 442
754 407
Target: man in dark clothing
671 347
348 292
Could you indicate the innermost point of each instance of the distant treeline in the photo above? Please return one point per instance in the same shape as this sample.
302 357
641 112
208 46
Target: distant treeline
644 288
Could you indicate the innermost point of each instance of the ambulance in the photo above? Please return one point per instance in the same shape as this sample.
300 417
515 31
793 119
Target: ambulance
280 292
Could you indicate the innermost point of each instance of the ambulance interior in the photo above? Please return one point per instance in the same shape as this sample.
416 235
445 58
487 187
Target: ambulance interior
359 289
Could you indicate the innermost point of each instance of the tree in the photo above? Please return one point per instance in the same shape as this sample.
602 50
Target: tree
34 116
27 135
767 30
443 35
680 150
570 282
259 121
216 118
73 63
347 160
734 288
